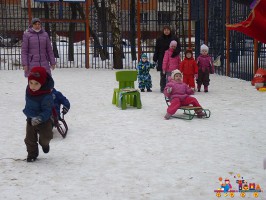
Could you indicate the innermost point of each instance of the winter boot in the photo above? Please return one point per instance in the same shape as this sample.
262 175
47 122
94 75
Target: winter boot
167 116
199 86
205 88
149 90
46 149
200 113
31 159
142 90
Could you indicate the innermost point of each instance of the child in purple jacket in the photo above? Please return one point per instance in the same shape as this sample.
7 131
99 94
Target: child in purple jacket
206 68
179 95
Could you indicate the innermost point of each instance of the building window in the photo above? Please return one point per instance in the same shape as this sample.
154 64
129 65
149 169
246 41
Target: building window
164 17
143 18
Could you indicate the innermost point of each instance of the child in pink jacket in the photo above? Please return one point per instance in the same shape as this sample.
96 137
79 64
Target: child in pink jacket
171 59
179 95
206 68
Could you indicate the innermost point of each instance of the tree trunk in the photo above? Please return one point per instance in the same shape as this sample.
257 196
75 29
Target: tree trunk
104 27
95 38
133 30
71 32
117 42
47 27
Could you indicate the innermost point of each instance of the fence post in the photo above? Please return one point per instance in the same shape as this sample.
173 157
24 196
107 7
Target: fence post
29 11
87 42
138 29
256 57
189 24
206 10
227 39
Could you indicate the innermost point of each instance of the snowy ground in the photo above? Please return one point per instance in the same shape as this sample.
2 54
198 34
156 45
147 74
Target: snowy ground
114 154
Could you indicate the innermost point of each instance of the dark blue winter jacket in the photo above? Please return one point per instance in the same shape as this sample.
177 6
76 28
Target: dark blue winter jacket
40 105
60 99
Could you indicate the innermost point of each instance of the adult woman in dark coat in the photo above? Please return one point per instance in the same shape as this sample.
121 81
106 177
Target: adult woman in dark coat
162 44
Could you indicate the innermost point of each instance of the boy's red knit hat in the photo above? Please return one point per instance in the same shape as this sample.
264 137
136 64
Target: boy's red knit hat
38 74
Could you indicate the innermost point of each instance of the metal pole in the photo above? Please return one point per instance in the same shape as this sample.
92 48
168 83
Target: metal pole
29 10
206 21
227 39
87 57
189 24
138 29
255 56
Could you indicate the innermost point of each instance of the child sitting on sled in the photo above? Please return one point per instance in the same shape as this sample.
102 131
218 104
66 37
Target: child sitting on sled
179 95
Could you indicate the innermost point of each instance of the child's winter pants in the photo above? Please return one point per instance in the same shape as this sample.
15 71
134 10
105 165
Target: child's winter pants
176 104
189 80
203 78
45 135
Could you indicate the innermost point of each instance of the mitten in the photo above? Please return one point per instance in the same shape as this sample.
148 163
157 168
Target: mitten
196 76
53 67
211 70
169 90
65 110
36 120
25 68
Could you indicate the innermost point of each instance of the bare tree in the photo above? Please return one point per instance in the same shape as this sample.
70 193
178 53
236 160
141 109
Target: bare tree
133 29
104 55
72 27
117 42
51 32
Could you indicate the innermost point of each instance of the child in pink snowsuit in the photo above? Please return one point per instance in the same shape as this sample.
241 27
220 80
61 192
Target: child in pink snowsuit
171 59
179 95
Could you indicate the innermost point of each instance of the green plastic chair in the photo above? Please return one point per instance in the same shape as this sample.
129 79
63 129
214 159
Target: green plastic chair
126 94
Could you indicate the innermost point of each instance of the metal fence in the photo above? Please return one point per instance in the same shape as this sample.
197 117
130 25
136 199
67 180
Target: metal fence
241 51
154 14
242 47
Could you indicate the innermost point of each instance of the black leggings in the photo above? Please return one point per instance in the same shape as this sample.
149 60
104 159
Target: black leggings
162 80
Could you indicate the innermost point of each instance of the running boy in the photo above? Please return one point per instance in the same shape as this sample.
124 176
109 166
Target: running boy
38 110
